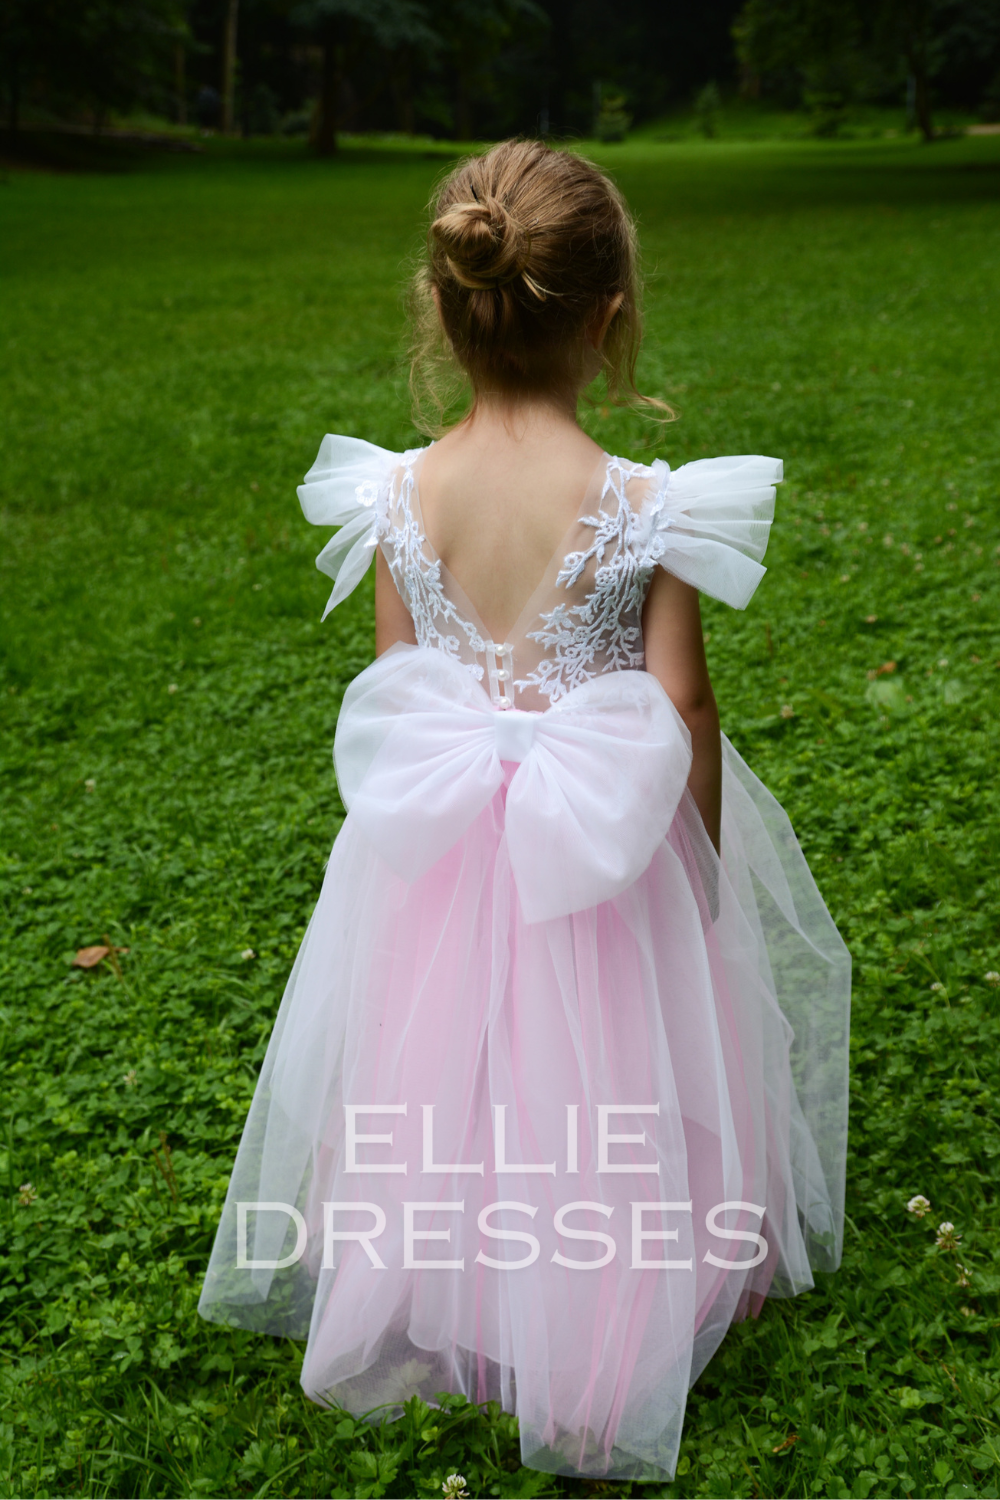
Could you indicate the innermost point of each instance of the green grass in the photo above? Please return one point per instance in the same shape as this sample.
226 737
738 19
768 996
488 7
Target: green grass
740 119
174 341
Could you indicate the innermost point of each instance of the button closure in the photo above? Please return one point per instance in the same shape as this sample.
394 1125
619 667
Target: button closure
500 669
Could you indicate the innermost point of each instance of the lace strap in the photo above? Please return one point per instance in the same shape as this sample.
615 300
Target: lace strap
708 522
343 488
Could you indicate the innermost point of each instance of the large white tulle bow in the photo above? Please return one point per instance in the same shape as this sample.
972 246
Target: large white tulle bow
419 751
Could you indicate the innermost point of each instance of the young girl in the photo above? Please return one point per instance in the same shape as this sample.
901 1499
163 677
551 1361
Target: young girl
557 1089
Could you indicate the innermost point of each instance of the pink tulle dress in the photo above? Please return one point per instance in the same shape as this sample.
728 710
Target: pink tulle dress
555 1093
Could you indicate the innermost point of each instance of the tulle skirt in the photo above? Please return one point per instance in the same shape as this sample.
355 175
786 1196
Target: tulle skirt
546 1163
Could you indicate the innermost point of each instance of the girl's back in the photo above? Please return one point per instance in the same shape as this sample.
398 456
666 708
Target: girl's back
498 496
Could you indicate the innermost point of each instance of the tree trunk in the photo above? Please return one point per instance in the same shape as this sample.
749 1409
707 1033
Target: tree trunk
916 48
463 109
402 91
14 101
180 84
329 102
922 103
229 65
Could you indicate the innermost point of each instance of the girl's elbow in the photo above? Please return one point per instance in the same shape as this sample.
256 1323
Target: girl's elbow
699 710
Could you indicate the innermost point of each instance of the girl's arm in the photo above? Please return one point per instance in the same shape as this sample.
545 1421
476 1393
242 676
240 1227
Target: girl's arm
675 655
392 618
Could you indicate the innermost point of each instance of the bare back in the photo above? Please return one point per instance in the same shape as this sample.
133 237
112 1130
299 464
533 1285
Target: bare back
497 498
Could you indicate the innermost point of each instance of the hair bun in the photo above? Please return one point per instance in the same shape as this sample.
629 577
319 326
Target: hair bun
484 245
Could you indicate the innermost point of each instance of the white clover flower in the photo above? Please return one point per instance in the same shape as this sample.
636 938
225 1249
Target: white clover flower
172 687
918 1206
26 1194
938 987
129 1078
947 1239
453 1488
993 977
90 784
964 1276
787 711
248 953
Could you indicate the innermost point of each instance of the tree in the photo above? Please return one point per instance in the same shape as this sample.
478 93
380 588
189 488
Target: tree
101 54
343 28
475 33
838 49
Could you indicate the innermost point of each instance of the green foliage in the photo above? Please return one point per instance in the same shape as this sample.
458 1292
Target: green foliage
100 54
707 110
828 53
612 119
175 343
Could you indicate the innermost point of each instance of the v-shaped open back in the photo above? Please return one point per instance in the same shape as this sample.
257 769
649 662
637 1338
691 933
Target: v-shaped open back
545 579
583 617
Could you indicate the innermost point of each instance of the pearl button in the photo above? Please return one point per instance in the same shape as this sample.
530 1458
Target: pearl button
502 676
504 703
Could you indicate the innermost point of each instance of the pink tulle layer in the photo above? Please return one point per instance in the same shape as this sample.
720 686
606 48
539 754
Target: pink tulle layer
677 1048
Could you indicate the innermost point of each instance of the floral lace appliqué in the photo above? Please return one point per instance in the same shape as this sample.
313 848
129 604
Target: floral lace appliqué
604 632
418 577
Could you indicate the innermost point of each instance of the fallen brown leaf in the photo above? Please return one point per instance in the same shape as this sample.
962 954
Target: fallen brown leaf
89 958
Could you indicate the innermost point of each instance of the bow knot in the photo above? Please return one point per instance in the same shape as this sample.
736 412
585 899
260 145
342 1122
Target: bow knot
515 733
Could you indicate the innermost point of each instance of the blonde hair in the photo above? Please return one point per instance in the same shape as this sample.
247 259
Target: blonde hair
527 248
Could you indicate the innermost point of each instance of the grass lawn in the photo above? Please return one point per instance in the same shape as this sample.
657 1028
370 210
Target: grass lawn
175 338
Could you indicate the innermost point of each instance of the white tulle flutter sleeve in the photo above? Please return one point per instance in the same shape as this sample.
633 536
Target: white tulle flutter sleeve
343 488
708 522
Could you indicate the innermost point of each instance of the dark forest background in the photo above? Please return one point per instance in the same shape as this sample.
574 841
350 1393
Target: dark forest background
469 69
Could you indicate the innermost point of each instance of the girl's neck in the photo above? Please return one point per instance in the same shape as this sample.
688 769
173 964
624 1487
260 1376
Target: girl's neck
522 417
500 425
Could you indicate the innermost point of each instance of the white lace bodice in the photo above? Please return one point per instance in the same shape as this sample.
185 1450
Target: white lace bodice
708 522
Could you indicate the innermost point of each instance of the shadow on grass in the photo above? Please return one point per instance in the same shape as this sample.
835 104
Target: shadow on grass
71 150
76 149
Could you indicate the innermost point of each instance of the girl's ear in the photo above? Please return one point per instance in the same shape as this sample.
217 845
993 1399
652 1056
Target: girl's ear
597 331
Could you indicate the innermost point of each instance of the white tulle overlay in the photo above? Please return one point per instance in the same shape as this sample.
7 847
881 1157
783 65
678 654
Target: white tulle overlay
555 1092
